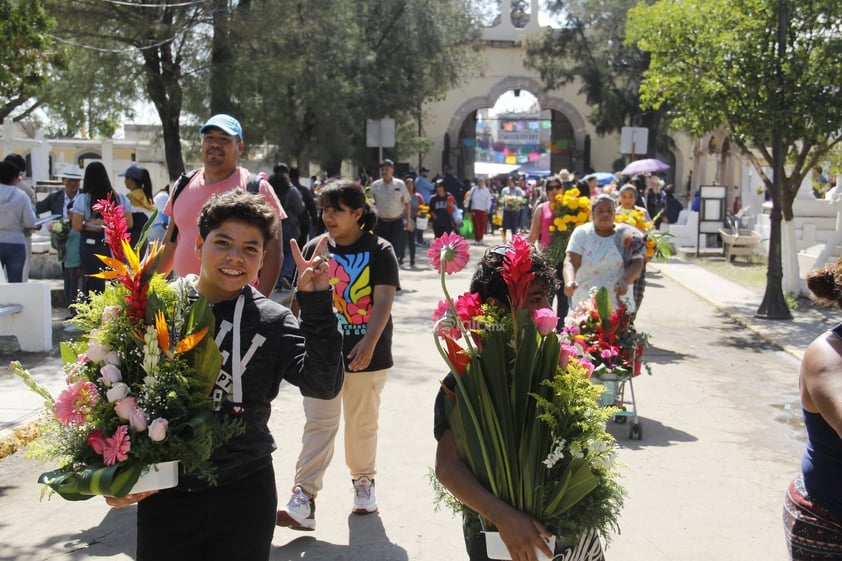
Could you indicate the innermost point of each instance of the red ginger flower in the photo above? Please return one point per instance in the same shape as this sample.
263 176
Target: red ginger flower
126 265
517 272
115 225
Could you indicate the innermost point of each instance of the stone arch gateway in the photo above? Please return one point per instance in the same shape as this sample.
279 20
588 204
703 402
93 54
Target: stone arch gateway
572 124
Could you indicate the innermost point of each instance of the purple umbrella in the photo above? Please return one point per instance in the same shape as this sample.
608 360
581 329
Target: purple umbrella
648 165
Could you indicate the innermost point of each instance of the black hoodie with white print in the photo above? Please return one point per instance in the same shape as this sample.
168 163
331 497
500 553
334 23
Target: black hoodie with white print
266 343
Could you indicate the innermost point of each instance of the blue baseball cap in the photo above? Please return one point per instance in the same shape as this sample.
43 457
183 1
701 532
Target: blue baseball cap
135 172
225 123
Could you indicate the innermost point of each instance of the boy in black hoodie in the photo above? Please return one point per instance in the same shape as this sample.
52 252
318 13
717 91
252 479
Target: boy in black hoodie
262 343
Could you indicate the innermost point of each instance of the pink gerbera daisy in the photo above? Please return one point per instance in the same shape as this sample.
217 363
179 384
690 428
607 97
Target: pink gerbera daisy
450 251
117 446
75 403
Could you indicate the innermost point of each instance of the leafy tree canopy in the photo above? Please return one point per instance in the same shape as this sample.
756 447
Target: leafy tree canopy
715 62
307 84
590 47
26 55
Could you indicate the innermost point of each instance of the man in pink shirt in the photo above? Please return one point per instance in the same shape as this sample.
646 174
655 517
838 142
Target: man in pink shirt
222 145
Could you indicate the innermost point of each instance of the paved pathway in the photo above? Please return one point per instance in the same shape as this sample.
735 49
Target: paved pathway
721 439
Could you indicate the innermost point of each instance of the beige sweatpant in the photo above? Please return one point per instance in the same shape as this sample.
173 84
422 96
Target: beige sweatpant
360 397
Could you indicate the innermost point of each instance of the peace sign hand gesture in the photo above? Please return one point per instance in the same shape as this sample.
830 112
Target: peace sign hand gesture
313 275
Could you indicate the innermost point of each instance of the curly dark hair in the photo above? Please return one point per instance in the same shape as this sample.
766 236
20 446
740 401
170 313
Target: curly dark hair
240 206
826 283
488 279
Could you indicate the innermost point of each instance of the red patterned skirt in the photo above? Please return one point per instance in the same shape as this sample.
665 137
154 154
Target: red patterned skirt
811 531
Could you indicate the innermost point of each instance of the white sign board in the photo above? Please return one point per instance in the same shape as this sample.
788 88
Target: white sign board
380 133
634 140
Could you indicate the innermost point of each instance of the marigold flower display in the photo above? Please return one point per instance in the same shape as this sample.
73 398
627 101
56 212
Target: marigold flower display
657 242
138 379
570 209
525 420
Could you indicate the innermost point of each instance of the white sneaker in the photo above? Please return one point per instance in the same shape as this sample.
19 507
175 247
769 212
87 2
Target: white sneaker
364 500
299 513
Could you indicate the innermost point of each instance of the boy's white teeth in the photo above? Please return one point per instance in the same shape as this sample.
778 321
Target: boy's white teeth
231 272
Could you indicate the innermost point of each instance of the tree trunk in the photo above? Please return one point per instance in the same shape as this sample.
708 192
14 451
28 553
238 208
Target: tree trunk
164 89
220 70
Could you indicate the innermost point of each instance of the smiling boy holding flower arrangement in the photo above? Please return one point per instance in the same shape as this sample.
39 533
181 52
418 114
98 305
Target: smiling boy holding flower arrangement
184 373
522 446
262 344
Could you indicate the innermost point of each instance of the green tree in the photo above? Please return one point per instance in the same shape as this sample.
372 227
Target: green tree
27 54
167 40
716 62
308 74
590 47
92 94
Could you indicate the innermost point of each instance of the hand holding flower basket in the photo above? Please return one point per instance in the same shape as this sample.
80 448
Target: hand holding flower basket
138 380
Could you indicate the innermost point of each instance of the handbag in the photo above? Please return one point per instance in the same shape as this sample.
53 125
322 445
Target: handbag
467 228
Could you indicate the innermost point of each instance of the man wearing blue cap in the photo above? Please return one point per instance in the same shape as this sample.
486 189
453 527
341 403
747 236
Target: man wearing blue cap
222 145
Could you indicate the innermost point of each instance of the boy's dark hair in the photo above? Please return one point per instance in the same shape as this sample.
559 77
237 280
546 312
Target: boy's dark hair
351 194
8 172
18 161
488 279
240 206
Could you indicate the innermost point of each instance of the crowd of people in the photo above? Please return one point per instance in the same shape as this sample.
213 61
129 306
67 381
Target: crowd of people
334 244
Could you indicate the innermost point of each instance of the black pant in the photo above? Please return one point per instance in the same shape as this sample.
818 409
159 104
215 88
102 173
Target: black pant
392 231
91 245
233 521
408 244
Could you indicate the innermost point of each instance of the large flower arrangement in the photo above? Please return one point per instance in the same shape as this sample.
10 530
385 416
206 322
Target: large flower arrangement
657 242
530 430
570 209
138 380
514 202
604 337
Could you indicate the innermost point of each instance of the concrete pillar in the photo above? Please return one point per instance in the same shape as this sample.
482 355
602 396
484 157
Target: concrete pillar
40 158
8 136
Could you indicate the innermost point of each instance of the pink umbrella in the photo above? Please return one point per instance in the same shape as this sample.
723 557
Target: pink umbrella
648 165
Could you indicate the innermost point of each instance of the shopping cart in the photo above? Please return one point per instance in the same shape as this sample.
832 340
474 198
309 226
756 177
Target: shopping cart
614 395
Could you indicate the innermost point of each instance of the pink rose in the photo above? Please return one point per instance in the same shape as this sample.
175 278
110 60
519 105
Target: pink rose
111 312
124 407
158 429
96 352
118 391
110 375
137 419
545 320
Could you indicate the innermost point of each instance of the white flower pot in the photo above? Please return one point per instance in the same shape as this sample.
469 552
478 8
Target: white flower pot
157 476
421 223
496 549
